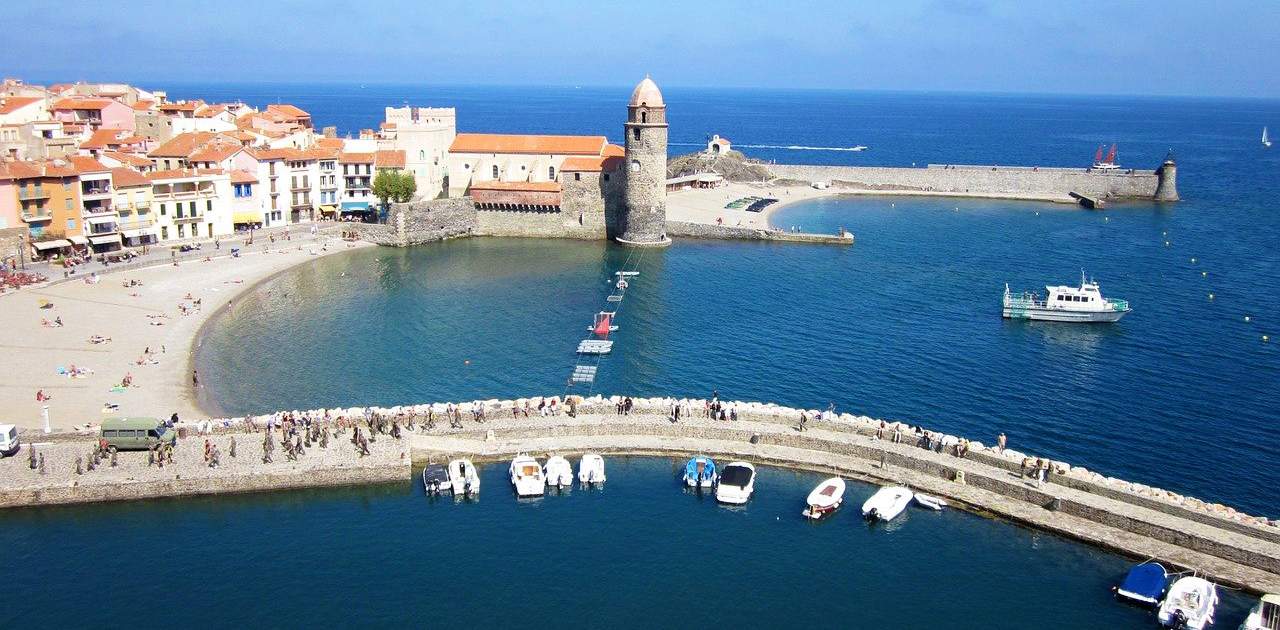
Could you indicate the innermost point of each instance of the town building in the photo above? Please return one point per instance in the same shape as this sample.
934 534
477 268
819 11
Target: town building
191 203
424 134
99 223
131 199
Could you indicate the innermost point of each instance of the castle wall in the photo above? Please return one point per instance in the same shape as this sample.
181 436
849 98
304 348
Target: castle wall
1003 180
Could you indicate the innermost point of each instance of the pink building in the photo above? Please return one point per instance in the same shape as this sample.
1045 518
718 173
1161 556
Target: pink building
9 216
95 112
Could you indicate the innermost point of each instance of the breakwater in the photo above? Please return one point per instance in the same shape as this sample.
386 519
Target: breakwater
1234 548
1053 184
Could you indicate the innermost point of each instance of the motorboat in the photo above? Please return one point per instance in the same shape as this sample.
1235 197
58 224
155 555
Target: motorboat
591 469
463 478
558 471
825 498
859 148
1189 604
1064 304
526 476
700 472
1265 614
435 479
1144 584
737 482
886 503
929 501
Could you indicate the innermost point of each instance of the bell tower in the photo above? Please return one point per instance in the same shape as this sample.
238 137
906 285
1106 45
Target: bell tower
644 212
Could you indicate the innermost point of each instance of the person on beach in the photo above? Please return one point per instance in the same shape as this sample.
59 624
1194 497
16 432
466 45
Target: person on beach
897 433
1001 440
195 378
804 420
41 396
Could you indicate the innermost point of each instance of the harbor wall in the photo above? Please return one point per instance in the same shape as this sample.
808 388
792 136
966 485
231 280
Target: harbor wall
977 180
688 229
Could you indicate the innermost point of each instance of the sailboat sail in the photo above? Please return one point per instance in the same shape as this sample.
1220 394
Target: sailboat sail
602 325
1111 155
1265 139
1097 155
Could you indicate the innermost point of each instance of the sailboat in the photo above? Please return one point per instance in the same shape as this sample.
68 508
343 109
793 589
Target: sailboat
1108 163
1266 142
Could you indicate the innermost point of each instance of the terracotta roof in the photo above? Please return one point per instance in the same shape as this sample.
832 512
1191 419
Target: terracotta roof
389 158
185 106
240 176
329 143
128 178
127 158
613 150
101 139
583 164
209 111
58 88
550 145
18 170
144 106
216 151
355 158
386 125
263 154
522 186
288 110
10 104
52 168
182 145
87 164
82 103
183 173
314 153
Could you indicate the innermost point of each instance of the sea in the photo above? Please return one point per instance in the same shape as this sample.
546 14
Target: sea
904 325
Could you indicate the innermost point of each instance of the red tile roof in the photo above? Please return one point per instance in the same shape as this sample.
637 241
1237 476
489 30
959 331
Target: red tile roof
389 158
240 176
183 144
18 170
127 158
185 106
286 109
82 103
355 158
10 104
128 178
549 145
329 143
613 150
144 106
216 151
87 164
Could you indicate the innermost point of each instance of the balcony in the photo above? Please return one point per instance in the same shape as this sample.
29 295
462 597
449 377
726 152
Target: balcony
304 186
91 192
36 217
136 224
190 218
26 194
90 212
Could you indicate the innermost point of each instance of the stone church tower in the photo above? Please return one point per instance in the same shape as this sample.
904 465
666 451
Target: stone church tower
644 210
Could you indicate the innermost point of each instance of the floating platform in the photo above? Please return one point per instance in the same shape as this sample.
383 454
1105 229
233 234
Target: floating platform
627 274
595 346
583 374
615 298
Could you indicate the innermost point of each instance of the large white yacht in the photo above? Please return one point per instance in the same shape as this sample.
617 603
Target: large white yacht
1064 304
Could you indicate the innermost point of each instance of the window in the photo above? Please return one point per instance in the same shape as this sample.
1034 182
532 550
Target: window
68 203
551 173
635 166
164 232
495 171
161 209
422 156
636 133
71 224
191 206
644 116
208 205
606 177
182 233
577 177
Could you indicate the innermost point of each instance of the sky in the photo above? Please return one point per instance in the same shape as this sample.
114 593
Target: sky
1153 47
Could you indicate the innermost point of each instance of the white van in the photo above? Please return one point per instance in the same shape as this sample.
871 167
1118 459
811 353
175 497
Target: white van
8 440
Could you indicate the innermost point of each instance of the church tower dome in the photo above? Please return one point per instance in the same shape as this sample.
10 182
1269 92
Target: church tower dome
644 212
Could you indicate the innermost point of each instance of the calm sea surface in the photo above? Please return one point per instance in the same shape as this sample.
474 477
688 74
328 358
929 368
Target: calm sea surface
1183 393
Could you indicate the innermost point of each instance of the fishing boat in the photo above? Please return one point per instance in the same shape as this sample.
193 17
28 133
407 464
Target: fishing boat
558 471
463 478
526 476
825 498
737 482
1108 163
434 479
1064 304
591 469
861 147
700 472
886 503
1144 584
1189 604
1266 141
929 501
1265 614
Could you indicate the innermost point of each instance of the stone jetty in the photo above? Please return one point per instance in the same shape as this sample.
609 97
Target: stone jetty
1231 547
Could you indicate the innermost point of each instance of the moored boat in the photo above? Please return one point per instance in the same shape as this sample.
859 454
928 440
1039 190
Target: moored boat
886 503
1144 584
737 482
1265 615
591 469
558 471
700 472
1189 604
526 476
825 498
435 479
463 478
929 501
1064 304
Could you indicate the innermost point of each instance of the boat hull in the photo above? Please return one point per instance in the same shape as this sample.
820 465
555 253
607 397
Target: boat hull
1061 315
886 504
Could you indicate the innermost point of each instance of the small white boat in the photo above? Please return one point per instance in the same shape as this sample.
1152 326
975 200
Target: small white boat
435 479
886 503
825 498
700 472
1189 604
737 482
1064 304
591 469
463 478
861 147
526 476
931 502
558 471
1266 141
1265 614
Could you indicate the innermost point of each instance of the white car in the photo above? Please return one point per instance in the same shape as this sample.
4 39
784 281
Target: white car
737 482
9 443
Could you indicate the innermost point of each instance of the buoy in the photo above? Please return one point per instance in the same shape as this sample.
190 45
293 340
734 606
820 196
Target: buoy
468 361
1037 214
1164 234
1204 274
1193 260
1210 296
1246 318
1106 219
1266 338
1166 243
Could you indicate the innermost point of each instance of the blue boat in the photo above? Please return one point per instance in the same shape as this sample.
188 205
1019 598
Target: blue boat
1145 584
700 472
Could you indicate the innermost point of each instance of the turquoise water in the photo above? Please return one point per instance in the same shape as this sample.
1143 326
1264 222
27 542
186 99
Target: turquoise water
641 552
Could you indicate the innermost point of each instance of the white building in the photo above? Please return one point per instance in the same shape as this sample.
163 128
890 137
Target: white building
191 203
487 157
424 134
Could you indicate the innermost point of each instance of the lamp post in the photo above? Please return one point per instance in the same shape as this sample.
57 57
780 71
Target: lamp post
44 411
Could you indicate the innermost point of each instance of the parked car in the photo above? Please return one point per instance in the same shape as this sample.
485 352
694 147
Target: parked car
9 444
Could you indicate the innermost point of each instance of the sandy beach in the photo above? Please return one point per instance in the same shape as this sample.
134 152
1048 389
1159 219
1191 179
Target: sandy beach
133 319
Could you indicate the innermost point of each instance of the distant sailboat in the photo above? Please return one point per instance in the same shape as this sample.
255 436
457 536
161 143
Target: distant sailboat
1108 163
1266 142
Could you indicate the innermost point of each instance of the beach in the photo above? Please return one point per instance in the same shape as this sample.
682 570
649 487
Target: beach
133 319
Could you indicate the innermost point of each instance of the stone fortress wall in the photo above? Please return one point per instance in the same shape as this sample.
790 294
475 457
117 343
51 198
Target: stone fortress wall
1010 181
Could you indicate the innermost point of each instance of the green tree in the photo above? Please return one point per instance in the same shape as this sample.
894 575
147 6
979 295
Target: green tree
385 185
405 186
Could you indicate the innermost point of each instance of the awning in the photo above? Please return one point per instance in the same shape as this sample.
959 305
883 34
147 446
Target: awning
328 209
355 206
100 220
103 240
139 233
246 217
51 244
78 240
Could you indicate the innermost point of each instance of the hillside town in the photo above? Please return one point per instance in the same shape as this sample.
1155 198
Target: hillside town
101 169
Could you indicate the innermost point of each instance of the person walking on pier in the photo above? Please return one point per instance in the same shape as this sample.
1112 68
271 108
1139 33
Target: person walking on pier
804 420
1001 440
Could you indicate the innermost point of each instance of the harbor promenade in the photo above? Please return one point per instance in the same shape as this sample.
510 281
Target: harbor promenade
1232 548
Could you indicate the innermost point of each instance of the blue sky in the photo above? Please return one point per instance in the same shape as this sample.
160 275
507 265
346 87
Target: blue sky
1225 48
